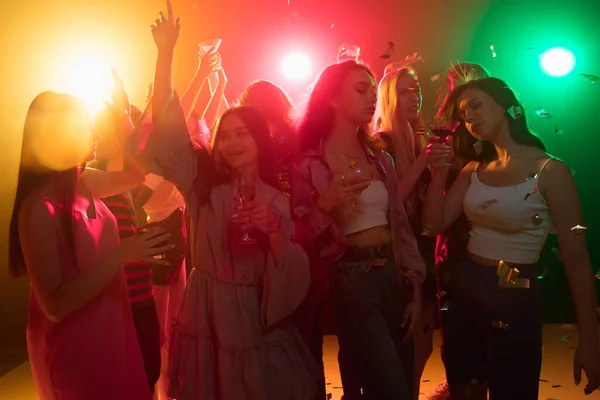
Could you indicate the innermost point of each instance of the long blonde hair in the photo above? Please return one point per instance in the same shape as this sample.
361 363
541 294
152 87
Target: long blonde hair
407 145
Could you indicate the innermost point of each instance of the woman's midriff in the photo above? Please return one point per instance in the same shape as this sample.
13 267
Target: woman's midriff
370 237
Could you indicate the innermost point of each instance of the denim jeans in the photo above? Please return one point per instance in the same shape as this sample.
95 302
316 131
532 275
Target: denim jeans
368 307
475 350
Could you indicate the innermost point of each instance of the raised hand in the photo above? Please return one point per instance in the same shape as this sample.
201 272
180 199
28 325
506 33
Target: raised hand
165 30
143 247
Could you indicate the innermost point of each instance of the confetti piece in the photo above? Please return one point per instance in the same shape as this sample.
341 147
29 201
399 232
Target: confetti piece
487 204
493 51
556 386
578 229
478 147
543 380
500 325
332 26
565 338
591 78
435 78
559 130
597 276
541 112
515 111
426 380
567 326
389 50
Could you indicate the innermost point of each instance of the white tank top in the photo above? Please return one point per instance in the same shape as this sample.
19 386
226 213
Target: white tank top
371 210
509 223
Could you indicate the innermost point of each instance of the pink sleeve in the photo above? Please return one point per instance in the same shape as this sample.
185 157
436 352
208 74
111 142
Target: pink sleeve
285 284
312 221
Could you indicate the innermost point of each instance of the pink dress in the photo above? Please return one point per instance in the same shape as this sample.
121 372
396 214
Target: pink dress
93 353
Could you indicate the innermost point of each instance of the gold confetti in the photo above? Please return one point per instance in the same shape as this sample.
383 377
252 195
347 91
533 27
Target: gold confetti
435 78
427 229
500 325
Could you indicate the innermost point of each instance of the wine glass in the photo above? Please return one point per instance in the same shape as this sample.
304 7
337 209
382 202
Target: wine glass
356 174
348 52
206 45
246 194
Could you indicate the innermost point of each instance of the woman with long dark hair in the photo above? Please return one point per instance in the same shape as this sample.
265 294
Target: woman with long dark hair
346 195
512 196
232 339
80 336
276 107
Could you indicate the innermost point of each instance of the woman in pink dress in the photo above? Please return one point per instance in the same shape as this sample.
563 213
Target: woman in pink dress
80 336
234 338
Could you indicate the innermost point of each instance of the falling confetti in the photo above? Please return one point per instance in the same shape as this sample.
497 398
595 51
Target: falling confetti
540 112
543 380
591 78
426 380
435 78
493 51
567 326
559 130
564 340
556 386
578 229
389 50
332 26
597 276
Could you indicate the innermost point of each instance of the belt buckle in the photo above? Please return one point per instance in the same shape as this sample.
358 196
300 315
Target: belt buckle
508 277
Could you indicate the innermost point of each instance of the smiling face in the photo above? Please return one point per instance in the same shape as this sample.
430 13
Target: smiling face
358 97
236 145
483 116
409 98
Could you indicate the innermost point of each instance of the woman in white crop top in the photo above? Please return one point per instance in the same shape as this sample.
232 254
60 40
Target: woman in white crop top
493 340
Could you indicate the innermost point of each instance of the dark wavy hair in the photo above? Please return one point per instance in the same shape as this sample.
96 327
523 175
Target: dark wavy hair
317 122
506 98
48 112
259 130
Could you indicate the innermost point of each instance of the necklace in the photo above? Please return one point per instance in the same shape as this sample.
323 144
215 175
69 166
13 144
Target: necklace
353 164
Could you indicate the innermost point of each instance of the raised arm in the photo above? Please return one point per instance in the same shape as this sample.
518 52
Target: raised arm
441 209
558 186
169 151
211 113
190 97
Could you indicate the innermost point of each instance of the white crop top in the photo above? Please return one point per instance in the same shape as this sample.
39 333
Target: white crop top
371 210
509 223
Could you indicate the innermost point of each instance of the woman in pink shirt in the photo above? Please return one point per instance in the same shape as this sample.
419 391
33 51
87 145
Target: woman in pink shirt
345 194
80 336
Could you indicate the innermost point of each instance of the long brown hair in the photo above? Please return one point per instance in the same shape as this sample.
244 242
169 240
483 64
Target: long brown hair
258 128
317 122
52 117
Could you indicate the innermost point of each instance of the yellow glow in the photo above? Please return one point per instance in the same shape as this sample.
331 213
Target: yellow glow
89 77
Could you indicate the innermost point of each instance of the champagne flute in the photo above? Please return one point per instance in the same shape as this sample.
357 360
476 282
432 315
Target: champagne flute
246 194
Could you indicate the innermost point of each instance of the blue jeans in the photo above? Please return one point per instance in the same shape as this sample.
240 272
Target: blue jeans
507 359
368 307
